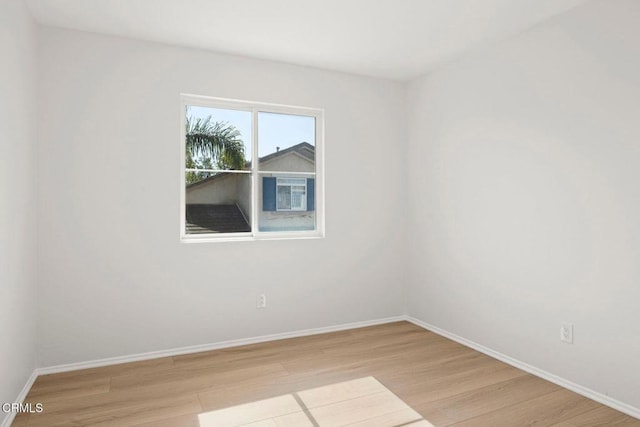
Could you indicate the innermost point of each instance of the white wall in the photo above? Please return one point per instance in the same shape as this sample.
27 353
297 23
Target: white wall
17 198
525 199
116 280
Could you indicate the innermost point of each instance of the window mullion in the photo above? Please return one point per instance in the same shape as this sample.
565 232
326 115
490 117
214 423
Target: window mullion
255 178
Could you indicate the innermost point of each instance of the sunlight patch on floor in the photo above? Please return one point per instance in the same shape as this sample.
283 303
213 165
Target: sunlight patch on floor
363 402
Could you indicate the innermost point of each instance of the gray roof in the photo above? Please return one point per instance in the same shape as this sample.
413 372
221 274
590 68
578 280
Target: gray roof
304 149
208 219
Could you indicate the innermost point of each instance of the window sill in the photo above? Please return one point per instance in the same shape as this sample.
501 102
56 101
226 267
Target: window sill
209 238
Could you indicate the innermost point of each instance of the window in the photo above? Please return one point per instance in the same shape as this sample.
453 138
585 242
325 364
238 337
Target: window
250 170
292 194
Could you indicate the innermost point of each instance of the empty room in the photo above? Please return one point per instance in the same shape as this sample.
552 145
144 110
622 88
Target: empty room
339 213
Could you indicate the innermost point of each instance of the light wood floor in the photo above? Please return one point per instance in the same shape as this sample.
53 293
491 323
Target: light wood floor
445 382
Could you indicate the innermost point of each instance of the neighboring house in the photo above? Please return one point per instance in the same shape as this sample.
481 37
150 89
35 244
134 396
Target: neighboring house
222 203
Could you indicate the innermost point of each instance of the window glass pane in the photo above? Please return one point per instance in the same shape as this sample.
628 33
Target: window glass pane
286 202
286 147
220 203
284 197
298 197
286 142
217 138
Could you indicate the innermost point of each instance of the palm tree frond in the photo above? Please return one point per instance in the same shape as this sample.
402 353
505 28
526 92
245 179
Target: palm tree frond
219 142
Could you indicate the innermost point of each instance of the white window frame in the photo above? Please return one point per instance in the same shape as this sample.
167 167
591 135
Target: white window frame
256 174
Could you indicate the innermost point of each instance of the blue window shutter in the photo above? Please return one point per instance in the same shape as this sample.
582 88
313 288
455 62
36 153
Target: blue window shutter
311 194
268 193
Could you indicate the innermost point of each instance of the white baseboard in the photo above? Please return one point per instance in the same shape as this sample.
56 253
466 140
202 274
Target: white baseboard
584 391
8 419
212 346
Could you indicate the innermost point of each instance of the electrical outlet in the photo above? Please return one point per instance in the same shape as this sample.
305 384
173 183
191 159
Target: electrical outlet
566 333
262 301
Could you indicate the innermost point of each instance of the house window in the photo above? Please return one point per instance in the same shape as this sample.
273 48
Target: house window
250 170
292 194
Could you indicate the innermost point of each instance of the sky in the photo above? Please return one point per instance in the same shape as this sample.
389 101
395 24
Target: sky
274 130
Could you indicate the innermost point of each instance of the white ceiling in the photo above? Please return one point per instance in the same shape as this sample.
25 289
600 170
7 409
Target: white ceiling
396 39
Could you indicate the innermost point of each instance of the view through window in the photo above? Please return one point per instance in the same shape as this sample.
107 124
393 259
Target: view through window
250 170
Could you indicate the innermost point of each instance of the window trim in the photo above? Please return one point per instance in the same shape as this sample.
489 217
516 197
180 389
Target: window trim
255 107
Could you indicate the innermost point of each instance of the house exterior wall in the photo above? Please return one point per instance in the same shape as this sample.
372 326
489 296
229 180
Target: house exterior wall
290 162
244 195
222 191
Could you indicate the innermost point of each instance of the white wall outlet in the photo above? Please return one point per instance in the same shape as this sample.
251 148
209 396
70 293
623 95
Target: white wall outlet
262 301
566 333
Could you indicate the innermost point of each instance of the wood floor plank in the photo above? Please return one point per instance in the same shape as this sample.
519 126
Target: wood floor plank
266 352
392 328
243 356
336 392
119 414
545 410
188 420
360 409
251 413
234 394
194 380
140 367
175 387
297 419
436 377
602 416
402 417
386 343
368 363
47 392
424 389
486 399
